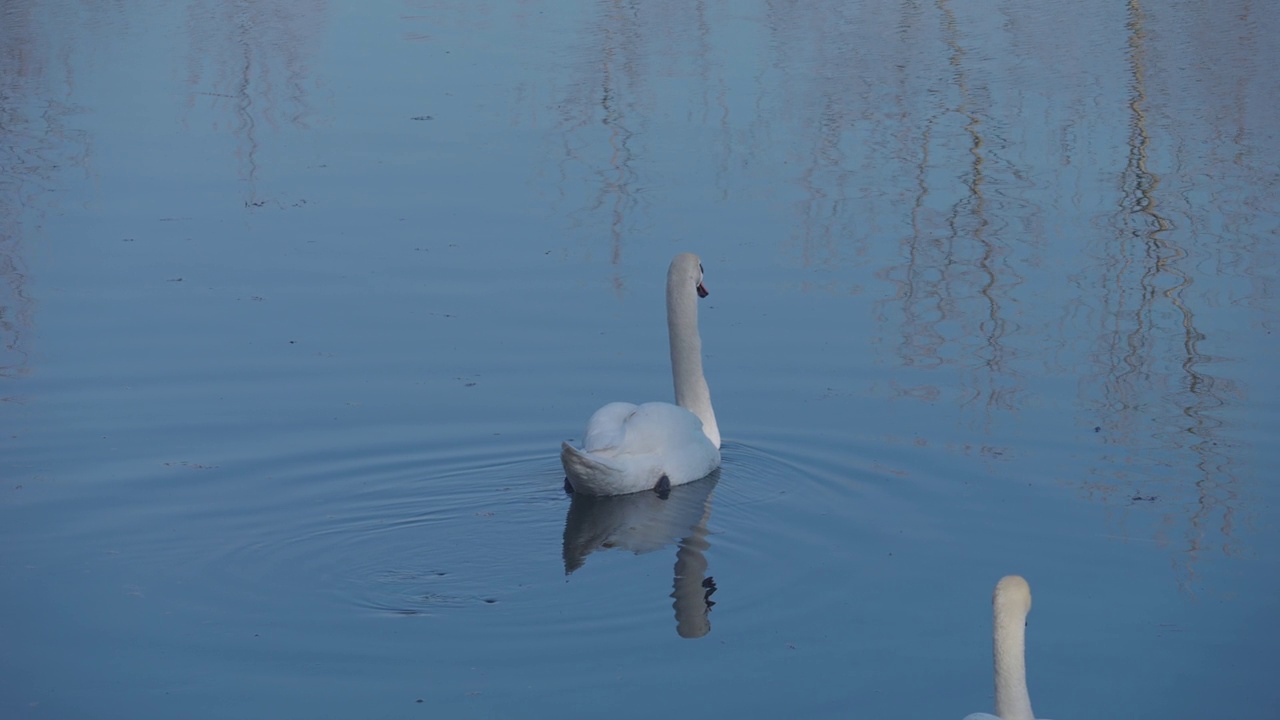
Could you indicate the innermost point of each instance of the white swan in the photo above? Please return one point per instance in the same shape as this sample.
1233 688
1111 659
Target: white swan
1010 605
657 445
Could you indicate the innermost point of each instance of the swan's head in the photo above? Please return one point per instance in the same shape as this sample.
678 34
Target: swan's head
687 268
1012 596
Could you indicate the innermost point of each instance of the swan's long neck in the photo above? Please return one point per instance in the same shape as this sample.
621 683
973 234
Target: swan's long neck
1013 702
692 392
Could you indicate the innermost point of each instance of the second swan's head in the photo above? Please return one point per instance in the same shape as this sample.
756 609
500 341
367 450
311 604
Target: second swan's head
687 268
1012 596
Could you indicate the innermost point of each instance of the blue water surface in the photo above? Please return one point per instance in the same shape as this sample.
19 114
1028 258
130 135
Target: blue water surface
299 299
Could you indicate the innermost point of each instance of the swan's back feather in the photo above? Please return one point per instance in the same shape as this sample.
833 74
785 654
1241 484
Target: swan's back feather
607 427
629 448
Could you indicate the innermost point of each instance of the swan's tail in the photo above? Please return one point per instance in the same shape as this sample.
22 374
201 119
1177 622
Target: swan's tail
586 473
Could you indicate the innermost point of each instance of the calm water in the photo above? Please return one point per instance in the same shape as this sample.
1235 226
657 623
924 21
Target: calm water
298 299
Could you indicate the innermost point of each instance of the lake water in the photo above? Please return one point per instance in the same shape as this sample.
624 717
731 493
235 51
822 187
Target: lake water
298 300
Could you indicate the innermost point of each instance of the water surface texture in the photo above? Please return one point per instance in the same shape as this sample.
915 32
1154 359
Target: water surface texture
299 298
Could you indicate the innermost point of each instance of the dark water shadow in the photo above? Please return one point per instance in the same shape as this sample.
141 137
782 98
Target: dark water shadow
644 522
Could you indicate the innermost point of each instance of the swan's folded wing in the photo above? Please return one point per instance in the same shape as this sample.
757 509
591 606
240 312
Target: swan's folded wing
607 426
663 429
630 448
654 428
593 474
585 463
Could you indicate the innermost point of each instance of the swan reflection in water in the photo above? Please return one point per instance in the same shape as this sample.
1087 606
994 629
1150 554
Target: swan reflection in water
647 521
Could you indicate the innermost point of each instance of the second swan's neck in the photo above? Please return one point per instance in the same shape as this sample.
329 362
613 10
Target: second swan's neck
1013 702
692 392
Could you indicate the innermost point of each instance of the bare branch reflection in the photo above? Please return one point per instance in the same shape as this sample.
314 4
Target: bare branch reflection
1151 345
250 62
37 141
602 123
1050 210
955 274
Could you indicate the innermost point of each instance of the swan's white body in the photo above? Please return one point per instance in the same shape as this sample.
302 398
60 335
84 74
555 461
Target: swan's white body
629 448
1010 605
